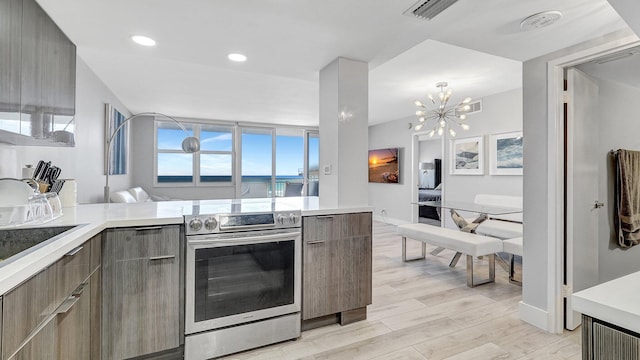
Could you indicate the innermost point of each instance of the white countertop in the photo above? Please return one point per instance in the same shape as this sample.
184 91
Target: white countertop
616 302
94 218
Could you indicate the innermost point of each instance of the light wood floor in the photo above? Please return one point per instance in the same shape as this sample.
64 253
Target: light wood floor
424 310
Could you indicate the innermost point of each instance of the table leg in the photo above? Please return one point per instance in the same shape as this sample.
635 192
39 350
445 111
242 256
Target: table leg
436 251
455 259
465 226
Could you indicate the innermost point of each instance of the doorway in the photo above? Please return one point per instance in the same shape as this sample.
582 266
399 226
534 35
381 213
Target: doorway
599 117
427 155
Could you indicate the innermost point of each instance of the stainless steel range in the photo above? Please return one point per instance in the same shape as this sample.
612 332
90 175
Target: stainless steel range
242 281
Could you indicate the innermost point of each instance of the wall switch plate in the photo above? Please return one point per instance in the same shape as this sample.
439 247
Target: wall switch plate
327 169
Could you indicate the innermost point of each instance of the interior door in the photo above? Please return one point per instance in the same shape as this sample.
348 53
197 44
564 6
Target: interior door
581 240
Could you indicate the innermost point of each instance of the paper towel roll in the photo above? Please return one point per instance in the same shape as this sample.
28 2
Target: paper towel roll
69 193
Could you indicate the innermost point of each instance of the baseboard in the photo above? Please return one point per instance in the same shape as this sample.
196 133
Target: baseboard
534 316
389 220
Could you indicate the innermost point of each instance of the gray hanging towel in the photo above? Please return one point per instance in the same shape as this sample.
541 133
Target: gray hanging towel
628 197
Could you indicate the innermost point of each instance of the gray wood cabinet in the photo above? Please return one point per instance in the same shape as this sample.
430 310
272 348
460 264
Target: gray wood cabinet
141 291
10 38
603 341
37 75
336 264
49 315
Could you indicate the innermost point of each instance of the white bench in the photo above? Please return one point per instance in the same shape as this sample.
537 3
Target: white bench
513 247
472 245
501 226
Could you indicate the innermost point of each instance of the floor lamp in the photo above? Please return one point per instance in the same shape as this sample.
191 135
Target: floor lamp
190 144
425 167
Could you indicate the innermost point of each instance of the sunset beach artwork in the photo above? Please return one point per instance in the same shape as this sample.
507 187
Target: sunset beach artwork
383 166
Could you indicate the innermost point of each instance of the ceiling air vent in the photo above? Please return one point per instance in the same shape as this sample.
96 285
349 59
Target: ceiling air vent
428 9
475 106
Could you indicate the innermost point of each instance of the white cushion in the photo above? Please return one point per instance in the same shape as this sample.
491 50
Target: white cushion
504 201
513 246
122 197
500 229
139 194
466 243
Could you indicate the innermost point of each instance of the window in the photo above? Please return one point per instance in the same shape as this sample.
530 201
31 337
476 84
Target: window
212 164
216 154
265 161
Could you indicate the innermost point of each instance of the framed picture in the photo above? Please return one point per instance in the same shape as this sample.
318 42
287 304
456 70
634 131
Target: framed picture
118 148
506 154
384 166
467 156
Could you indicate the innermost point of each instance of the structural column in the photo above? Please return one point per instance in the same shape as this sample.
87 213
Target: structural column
344 133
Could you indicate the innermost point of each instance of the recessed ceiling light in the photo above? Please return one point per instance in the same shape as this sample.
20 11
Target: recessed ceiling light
143 40
237 57
540 20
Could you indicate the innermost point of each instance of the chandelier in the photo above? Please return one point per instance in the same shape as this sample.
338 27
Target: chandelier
443 117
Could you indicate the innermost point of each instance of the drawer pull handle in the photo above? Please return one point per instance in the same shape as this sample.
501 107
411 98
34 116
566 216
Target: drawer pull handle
163 257
315 242
74 251
67 304
149 228
325 216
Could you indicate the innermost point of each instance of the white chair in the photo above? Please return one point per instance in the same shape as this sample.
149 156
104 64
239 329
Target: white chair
293 189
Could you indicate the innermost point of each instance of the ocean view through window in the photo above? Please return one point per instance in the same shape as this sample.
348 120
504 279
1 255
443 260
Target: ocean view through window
259 161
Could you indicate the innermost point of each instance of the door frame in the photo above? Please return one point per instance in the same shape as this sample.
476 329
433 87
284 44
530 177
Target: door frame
415 172
555 170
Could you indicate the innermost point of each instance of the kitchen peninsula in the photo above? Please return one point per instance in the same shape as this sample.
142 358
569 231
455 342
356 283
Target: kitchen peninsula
141 247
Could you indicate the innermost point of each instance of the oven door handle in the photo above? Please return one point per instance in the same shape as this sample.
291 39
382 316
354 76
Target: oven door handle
220 241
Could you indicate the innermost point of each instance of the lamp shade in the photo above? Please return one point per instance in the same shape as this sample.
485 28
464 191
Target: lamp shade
426 166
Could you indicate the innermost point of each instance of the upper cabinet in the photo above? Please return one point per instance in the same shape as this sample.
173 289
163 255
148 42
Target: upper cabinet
37 77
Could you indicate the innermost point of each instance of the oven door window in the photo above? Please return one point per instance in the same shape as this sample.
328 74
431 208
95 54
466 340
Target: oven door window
238 279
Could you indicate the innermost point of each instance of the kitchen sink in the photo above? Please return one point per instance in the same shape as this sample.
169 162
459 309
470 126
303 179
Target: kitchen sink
15 243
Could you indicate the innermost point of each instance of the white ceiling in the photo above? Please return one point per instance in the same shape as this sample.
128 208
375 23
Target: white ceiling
476 46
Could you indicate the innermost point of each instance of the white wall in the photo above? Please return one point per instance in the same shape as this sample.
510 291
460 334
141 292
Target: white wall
501 113
394 199
618 129
343 140
85 161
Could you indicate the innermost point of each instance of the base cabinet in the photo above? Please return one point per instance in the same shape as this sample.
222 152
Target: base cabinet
140 290
603 341
49 315
336 264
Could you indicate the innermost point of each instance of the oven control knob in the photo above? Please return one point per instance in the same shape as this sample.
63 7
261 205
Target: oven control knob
195 224
293 219
281 219
210 223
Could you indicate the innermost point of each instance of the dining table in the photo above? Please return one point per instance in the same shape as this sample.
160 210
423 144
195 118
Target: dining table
482 212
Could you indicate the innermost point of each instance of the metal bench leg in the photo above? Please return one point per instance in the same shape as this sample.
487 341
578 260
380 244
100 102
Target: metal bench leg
404 250
492 271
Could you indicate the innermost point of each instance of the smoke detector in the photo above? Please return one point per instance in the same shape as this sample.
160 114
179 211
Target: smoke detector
540 20
428 9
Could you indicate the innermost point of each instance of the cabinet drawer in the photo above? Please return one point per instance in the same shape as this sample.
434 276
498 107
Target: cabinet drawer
24 308
70 271
27 306
333 227
143 242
